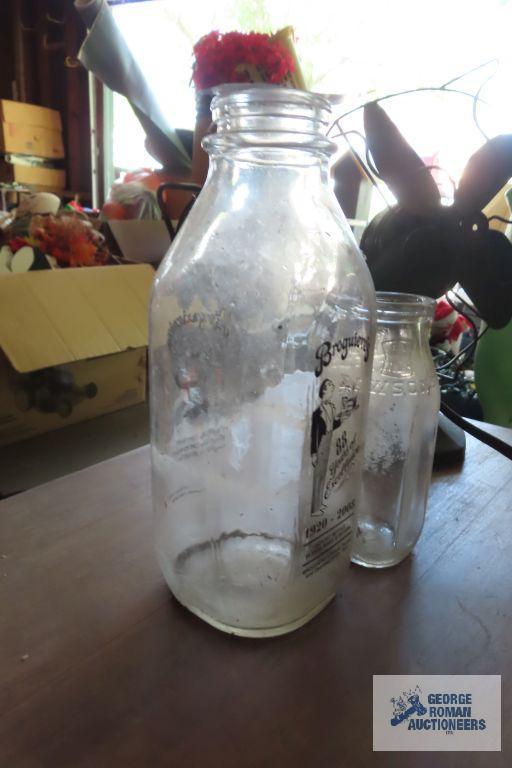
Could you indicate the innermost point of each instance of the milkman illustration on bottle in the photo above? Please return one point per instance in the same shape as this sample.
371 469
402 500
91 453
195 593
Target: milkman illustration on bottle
326 419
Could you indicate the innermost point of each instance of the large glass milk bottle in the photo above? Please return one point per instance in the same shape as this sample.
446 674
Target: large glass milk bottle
261 352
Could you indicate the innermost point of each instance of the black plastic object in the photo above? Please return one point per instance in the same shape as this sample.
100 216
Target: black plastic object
481 434
451 440
450 443
421 246
182 187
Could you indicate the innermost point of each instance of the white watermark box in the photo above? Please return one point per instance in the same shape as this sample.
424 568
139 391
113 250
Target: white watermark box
436 713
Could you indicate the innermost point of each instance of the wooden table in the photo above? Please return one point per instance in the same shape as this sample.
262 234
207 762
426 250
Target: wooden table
99 666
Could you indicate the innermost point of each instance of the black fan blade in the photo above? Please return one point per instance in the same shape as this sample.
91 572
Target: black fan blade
410 253
419 262
486 276
486 172
400 167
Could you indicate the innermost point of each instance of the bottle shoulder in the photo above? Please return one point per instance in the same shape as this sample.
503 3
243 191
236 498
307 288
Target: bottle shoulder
306 241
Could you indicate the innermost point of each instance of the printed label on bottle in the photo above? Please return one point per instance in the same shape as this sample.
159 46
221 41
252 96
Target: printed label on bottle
327 537
335 455
398 388
210 440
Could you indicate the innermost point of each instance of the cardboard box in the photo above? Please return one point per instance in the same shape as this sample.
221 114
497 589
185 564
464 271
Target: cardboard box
38 177
29 114
30 130
141 240
31 140
73 346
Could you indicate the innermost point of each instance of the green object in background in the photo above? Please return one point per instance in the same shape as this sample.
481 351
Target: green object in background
493 366
493 375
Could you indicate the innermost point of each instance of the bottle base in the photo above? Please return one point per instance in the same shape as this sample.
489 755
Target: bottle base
258 632
380 563
375 545
249 584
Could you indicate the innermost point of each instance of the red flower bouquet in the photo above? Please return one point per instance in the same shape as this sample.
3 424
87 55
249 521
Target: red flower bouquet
236 57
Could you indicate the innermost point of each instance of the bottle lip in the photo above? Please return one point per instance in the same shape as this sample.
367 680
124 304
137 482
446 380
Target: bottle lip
392 305
269 118
247 93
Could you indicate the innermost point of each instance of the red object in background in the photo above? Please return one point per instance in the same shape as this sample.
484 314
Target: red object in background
233 57
151 179
16 243
443 309
115 211
75 206
175 201
448 324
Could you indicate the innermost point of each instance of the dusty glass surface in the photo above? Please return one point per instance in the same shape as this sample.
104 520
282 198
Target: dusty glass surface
401 432
261 344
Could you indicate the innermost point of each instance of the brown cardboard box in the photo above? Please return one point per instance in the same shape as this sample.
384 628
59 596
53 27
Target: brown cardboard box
73 346
38 177
29 114
31 140
30 130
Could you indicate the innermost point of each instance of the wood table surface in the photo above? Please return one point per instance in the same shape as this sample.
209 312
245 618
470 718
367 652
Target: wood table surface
99 666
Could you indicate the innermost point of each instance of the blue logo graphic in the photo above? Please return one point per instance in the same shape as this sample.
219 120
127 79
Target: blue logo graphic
454 714
407 704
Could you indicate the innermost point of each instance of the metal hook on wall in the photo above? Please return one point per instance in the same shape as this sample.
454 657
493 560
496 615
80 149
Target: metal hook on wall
20 16
24 28
53 20
72 62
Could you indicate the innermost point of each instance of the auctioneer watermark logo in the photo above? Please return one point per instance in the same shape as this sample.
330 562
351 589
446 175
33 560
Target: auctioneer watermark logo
437 713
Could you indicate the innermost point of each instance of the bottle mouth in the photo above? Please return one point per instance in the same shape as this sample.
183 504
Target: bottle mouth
394 306
270 115
231 94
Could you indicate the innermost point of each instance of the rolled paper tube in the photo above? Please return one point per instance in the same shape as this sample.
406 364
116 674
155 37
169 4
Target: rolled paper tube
286 37
204 126
88 9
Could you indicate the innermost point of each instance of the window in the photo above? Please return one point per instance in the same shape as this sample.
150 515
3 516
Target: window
358 49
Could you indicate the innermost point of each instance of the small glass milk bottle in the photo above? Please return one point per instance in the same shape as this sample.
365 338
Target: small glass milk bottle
261 345
401 432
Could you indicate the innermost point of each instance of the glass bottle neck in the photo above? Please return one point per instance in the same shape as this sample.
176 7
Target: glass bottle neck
416 331
402 350
403 327
234 164
269 125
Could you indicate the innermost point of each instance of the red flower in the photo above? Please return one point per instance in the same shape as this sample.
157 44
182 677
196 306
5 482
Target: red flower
235 57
